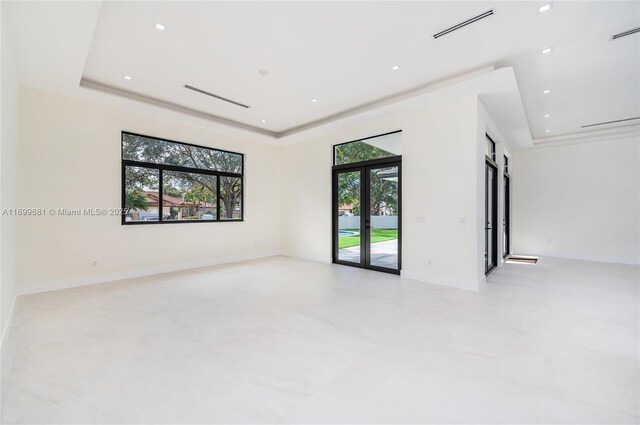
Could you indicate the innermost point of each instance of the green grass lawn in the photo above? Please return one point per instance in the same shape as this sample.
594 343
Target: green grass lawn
377 235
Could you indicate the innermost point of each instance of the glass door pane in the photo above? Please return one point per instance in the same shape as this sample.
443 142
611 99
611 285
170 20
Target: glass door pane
382 222
349 220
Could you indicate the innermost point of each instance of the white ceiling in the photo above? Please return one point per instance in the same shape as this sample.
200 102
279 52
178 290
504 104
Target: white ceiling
338 52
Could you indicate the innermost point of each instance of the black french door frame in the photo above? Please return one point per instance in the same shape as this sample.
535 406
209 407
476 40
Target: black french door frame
506 221
490 166
365 211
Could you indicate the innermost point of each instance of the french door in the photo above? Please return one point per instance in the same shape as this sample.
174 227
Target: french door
506 221
491 216
366 215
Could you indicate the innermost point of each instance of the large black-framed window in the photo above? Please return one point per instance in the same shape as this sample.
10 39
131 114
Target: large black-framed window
164 181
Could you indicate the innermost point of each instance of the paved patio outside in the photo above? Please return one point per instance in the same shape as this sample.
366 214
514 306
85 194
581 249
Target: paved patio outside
383 254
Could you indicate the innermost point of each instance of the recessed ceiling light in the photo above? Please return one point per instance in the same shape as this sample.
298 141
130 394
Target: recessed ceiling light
314 100
395 67
547 50
547 131
263 120
547 91
159 26
126 77
547 115
545 8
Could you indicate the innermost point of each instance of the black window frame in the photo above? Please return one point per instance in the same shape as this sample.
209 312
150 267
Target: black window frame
333 160
492 144
165 167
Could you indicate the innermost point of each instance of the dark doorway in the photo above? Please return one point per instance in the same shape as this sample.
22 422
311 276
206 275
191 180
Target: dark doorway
491 216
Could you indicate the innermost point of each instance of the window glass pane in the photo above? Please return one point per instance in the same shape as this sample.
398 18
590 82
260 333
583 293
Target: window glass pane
490 149
147 149
349 228
141 194
230 198
364 150
383 204
188 196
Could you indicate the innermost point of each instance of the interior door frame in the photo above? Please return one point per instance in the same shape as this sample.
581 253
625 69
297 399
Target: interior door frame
364 168
490 164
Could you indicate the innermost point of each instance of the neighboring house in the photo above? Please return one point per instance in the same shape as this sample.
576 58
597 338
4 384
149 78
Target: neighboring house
173 208
346 209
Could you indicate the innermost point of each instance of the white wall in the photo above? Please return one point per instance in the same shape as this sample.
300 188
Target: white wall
578 201
439 148
9 134
69 157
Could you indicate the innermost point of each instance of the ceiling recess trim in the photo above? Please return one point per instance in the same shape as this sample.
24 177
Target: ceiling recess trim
105 88
610 122
464 24
206 93
416 91
620 132
149 100
625 33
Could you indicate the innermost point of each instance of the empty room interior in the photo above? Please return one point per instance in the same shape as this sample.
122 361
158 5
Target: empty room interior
320 212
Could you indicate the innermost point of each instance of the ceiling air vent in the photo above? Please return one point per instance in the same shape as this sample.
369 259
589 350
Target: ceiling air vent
625 33
187 86
611 122
464 24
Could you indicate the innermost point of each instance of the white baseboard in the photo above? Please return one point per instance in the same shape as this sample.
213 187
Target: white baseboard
317 259
469 285
55 285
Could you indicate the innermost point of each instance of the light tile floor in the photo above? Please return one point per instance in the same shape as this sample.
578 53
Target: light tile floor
281 340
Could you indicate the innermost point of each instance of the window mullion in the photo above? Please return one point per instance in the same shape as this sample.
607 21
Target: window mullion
218 198
160 196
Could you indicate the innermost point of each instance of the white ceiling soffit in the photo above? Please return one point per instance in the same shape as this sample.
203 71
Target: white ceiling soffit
495 85
51 41
611 132
94 85
340 53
